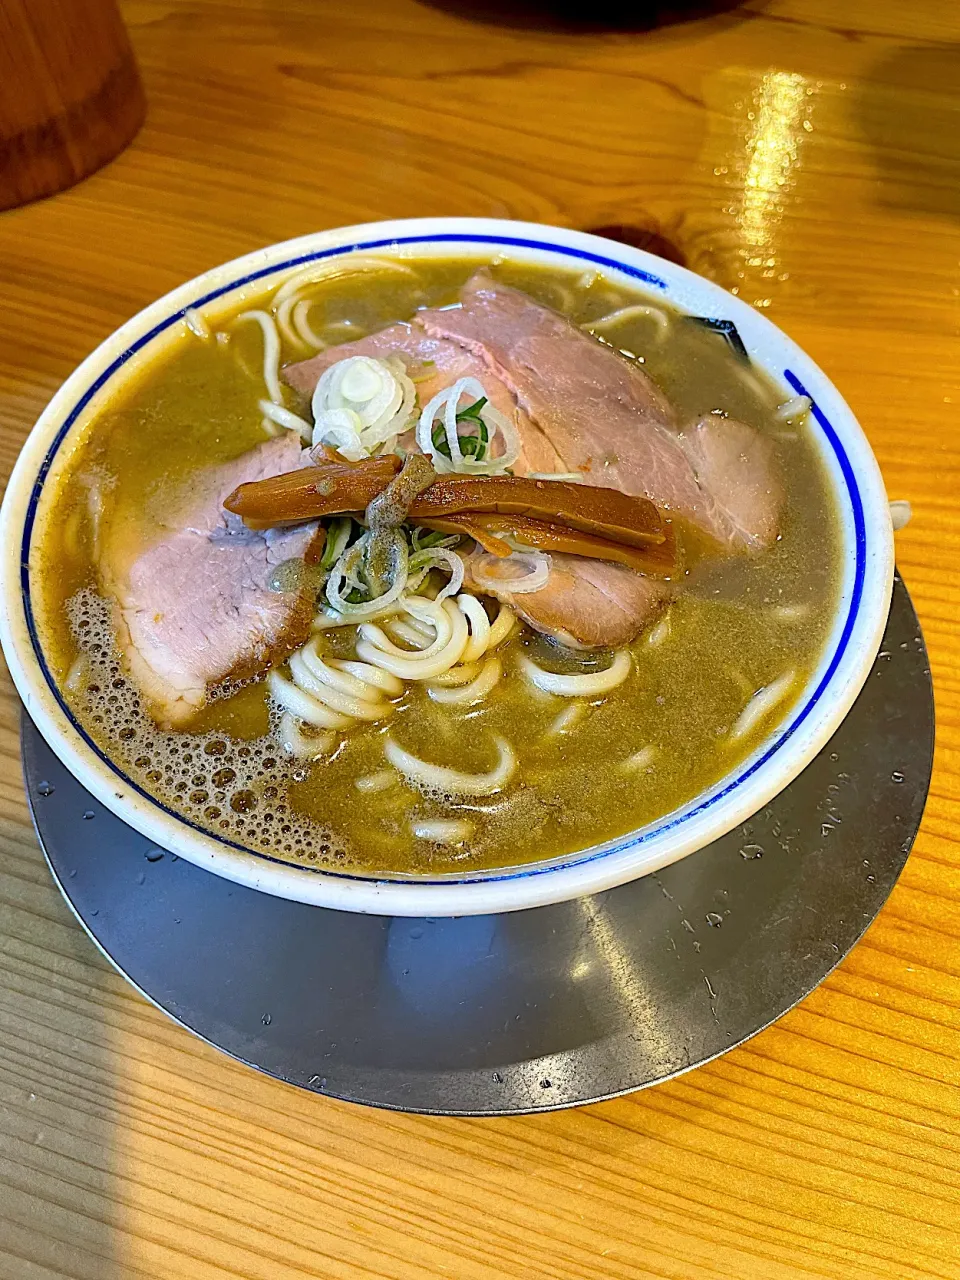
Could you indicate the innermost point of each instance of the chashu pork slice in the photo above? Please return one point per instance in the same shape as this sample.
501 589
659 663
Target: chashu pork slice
432 363
585 604
581 407
602 415
192 601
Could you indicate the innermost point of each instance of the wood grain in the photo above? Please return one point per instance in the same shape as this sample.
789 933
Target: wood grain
70 95
806 155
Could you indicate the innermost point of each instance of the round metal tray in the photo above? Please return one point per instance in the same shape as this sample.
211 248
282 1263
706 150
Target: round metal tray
531 1010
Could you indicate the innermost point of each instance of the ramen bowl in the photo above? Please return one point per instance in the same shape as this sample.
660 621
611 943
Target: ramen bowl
862 601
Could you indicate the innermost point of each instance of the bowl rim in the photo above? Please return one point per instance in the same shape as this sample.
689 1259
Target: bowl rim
751 784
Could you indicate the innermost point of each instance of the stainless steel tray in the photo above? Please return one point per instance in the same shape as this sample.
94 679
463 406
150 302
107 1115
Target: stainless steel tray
532 1010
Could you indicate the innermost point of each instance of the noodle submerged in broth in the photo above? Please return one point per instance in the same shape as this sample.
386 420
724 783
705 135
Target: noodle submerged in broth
418 723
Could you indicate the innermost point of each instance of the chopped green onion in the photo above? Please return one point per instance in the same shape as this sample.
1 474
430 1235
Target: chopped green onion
423 539
439 438
348 589
338 535
470 446
472 412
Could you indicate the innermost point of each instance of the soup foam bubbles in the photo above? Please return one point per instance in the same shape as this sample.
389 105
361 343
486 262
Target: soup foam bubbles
237 788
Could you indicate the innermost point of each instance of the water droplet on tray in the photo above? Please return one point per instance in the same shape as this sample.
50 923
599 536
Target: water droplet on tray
896 776
749 851
267 1019
88 814
153 855
714 919
45 788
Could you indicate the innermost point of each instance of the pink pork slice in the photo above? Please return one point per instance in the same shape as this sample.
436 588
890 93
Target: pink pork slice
603 416
192 602
738 473
586 603
433 363
575 403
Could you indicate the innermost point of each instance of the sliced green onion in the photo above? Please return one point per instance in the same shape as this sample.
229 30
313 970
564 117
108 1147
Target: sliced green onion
470 446
421 562
338 535
472 412
424 538
357 602
439 438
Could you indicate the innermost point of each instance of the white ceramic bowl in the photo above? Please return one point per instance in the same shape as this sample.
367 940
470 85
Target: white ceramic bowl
847 657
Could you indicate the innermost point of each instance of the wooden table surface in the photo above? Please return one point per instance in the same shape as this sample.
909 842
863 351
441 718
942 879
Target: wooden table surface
803 153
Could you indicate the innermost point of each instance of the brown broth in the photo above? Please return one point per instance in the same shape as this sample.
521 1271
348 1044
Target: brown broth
196 403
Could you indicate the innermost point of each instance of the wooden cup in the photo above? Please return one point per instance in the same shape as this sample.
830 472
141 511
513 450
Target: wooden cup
70 94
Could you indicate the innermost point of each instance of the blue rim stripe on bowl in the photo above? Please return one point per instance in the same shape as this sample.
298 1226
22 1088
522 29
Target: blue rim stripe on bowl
628 841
